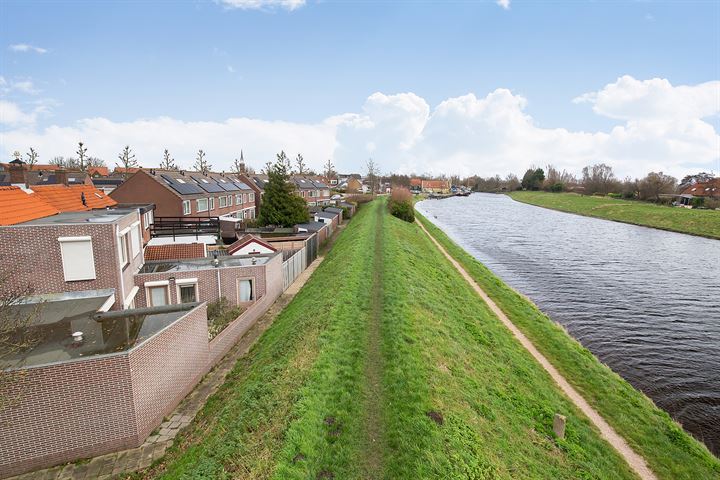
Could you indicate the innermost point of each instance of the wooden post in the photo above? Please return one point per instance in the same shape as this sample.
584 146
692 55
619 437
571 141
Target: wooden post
559 425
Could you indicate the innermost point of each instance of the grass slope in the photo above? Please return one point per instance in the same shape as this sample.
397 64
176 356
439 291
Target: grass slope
704 223
669 450
387 365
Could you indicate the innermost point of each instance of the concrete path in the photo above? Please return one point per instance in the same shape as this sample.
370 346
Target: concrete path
154 447
636 462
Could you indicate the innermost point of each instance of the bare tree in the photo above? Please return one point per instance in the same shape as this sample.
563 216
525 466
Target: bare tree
201 165
599 178
329 170
168 163
127 160
15 336
32 157
59 161
95 162
656 184
81 152
300 163
372 173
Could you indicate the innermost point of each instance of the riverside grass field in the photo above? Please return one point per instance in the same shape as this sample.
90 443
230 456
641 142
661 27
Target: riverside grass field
388 365
704 223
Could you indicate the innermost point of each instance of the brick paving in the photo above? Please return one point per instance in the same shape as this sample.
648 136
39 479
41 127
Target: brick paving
132 460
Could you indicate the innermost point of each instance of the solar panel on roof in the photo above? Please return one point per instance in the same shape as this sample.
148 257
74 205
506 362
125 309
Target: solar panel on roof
186 188
208 184
241 185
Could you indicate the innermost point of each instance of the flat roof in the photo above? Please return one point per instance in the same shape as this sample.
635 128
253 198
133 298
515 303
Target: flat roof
226 261
47 328
89 216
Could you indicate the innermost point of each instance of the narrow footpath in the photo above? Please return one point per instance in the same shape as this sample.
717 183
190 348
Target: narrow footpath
373 422
636 462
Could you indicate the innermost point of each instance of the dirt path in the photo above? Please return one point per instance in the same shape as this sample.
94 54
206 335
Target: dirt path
373 451
636 462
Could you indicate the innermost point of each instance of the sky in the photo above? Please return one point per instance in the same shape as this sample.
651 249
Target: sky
438 87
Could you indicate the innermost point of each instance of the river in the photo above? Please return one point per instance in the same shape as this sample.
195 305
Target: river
646 302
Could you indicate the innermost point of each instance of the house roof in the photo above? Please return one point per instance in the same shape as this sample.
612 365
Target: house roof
185 183
326 214
174 251
19 206
246 240
334 210
704 189
311 226
126 170
102 171
70 198
308 183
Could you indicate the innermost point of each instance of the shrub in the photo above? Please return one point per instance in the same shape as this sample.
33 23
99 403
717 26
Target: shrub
220 314
557 187
402 210
712 203
698 202
401 194
615 195
360 199
628 194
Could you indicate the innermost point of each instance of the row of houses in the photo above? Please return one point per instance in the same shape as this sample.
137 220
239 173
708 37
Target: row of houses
112 322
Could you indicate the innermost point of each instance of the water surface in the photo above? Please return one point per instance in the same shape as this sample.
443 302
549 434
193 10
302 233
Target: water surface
646 302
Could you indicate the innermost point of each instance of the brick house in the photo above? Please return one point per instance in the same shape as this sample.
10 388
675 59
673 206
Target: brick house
313 190
77 251
189 194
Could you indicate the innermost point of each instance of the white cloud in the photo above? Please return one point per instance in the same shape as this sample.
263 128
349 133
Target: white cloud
24 47
629 99
22 86
13 116
230 69
504 4
464 135
263 4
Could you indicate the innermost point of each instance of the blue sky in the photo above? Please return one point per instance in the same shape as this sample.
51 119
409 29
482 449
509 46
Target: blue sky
204 61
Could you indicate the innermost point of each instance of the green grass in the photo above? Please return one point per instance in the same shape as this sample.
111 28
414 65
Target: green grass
669 450
705 223
384 333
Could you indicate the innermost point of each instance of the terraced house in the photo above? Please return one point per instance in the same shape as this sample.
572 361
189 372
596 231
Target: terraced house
189 194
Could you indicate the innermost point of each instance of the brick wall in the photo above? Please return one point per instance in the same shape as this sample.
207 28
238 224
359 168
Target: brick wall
84 408
67 411
207 282
166 368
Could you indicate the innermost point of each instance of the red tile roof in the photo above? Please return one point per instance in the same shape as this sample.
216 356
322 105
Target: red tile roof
174 251
69 198
102 171
18 206
126 170
247 239
704 189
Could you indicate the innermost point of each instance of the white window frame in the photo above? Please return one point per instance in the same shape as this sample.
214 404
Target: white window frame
187 208
70 263
251 197
160 283
238 199
222 202
123 250
185 282
229 200
211 203
253 293
207 205
135 243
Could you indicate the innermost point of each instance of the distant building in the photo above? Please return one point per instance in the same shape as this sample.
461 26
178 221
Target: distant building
430 186
709 189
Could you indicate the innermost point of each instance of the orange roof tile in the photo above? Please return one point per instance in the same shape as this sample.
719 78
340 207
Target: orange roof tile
18 206
174 251
102 171
704 189
69 198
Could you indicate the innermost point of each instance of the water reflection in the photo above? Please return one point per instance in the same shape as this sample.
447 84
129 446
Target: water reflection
644 301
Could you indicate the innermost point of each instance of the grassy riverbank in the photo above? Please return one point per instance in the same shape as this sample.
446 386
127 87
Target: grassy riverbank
387 365
670 451
704 223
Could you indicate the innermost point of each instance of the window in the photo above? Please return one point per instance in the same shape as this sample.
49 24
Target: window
229 200
135 240
333 182
186 207
238 199
187 293
158 296
211 203
149 218
123 249
180 180
202 204
326 193
245 290
222 201
252 197
77 258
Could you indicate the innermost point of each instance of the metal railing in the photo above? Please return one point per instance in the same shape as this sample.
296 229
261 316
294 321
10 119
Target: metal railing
184 226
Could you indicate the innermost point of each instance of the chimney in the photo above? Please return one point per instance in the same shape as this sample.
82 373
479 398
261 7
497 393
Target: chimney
61 176
17 173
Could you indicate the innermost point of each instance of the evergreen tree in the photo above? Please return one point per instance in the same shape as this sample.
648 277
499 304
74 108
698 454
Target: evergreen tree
280 205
